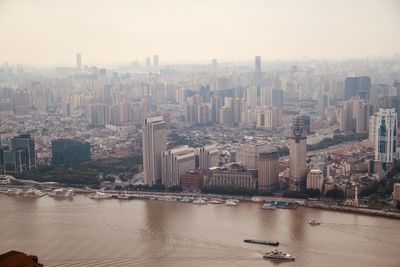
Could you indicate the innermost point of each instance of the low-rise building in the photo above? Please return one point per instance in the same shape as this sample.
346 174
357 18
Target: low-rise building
232 175
193 180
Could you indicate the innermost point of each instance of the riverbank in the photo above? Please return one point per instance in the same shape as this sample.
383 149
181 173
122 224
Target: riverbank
366 211
254 199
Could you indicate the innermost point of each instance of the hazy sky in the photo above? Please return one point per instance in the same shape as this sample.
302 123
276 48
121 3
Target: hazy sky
50 32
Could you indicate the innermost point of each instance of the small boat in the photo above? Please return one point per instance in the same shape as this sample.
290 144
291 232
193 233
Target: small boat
262 242
231 202
99 195
199 201
34 193
278 255
62 193
168 198
123 196
215 201
15 191
186 200
268 206
314 222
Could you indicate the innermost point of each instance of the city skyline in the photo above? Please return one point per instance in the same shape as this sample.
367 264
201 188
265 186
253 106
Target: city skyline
275 30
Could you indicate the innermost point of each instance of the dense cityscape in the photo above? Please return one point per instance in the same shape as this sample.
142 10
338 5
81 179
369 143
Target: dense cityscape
301 129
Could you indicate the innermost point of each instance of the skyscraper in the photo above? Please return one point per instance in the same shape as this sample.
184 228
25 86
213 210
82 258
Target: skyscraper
357 86
208 157
268 118
148 62
78 61
257 69
384 126
268 171
25 142
154 138
99 114
354 114
216 104
155 61
297 155
214 64
174 163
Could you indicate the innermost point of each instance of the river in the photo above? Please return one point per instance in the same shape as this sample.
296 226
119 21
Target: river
86 232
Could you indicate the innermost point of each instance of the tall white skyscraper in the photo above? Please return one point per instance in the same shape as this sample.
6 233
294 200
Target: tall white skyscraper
154 138
384 127
174 163
297 155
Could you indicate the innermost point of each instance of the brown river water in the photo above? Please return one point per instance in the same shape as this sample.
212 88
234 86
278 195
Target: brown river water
111 232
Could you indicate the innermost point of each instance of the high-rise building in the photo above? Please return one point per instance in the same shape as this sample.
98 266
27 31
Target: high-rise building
148 62
208 157
251 97
315 180
385 136
27 143
15 161
248 153
21 156
297 155
268 171
257 69
99 114
268 118
237 105
174 163
354 114
271 97
225 115
357 86
323 103
155 61
306 123
277 98
68 151
361 112
214 64
78 61
154 138
390 102
216 104
396 85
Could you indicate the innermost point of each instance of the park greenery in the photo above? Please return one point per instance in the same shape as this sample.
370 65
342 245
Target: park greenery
90 173
382 189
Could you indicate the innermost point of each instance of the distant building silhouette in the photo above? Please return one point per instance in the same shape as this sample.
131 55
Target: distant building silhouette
357 86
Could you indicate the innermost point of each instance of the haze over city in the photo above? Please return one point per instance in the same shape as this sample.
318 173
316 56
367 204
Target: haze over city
47 32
